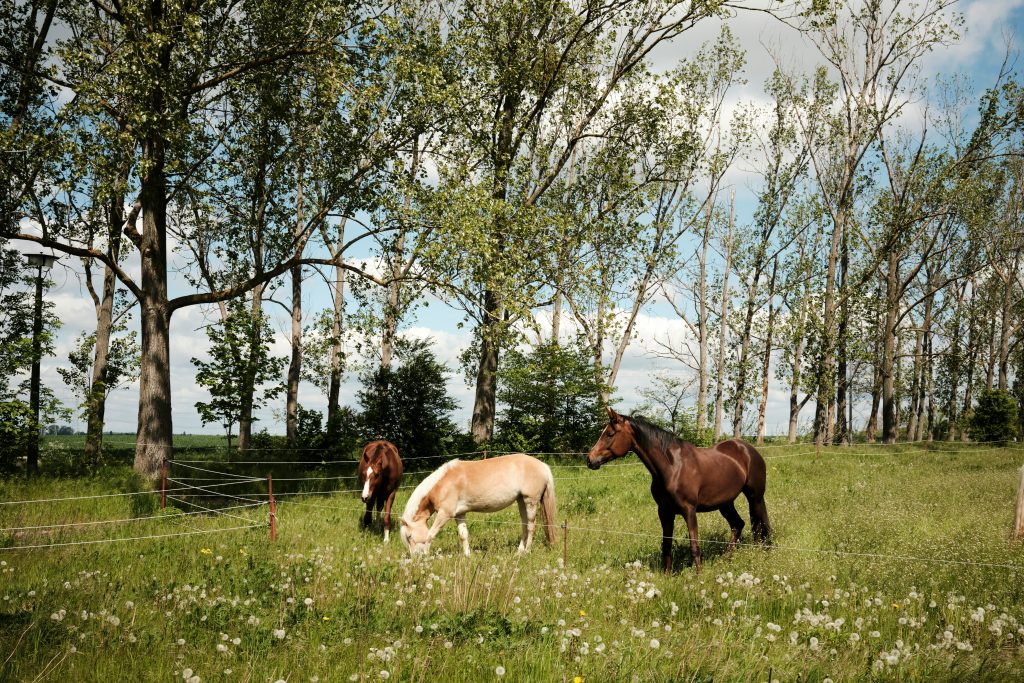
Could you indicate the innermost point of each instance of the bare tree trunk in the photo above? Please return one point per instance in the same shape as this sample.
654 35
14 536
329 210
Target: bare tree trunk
826 367
1006 324
723 325
871 430
245 410
702 331
763 407
889 429
990 366
334 386
392 310
842 374
295 364
98 388
915 386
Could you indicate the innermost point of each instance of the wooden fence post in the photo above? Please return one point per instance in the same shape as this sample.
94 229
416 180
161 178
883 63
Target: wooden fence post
273 508
1018 525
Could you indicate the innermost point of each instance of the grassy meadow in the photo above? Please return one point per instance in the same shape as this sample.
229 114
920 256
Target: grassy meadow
847 592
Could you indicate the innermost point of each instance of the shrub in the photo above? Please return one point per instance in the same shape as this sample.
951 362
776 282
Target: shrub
994 417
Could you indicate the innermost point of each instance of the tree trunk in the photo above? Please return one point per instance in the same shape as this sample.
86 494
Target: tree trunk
295 364
723 324
392 309
915 386
889 430
334 386
255 341
97 402
826 362
871 430
763 407
484 403
1006 324
155 428
842 374
702 331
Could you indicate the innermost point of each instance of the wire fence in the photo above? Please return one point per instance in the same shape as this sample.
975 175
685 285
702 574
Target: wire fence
185 491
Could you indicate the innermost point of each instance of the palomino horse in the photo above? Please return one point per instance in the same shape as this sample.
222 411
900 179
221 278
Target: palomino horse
380 473
686 480
458 487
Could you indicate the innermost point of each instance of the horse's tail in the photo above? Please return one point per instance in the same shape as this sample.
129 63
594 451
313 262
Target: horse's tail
754 489
548 506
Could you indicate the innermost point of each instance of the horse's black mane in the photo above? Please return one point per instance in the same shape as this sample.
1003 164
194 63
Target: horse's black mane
650 432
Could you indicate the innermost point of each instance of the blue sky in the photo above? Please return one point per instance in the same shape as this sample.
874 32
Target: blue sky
989 23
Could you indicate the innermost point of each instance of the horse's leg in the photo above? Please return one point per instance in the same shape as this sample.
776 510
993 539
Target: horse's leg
463 533
379 505
367 516
735 524
690 512
440 519
668 525
524 537
387 515
759 525
531 523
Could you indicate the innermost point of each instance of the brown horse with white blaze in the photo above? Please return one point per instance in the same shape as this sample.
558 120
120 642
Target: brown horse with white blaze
686 479
380 473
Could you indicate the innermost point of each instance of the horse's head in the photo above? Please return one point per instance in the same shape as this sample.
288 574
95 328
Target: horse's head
415 534
615 441
371 469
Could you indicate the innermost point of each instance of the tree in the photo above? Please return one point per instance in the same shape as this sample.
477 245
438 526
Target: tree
409 404
121 365
995 417
663 405
237 368
550 399
534 80
165 84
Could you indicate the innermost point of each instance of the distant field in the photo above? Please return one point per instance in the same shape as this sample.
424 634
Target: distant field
890 563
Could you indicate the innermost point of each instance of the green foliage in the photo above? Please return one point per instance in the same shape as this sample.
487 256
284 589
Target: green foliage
122 367
409 405
17 426
550 399
995 417
240 365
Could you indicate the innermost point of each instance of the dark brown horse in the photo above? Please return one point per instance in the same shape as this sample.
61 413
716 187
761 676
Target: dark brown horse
380 473
686 480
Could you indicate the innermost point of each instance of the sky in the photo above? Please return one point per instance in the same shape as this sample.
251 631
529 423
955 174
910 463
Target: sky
989 25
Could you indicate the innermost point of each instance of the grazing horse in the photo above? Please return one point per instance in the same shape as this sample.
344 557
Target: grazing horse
686 480
458 487
380 473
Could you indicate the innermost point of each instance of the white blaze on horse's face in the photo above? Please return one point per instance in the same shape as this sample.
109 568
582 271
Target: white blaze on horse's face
366 484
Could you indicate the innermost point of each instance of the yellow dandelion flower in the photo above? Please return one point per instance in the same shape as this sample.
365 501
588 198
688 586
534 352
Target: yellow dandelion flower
583 613
206 551
326 618
578 679
895 605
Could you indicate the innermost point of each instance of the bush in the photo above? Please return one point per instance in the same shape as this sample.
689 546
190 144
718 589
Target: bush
995 417
16 429
549 400
409 404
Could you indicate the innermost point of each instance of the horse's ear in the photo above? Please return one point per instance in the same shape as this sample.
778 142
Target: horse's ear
613 417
